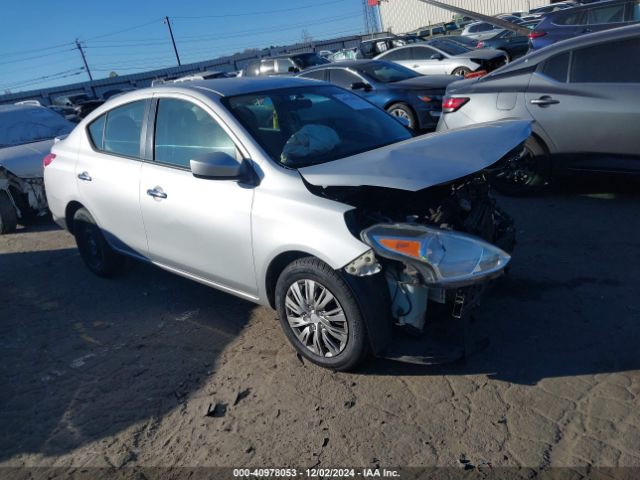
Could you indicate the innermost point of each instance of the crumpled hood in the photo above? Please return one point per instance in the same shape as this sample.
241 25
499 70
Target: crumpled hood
25 161
425 161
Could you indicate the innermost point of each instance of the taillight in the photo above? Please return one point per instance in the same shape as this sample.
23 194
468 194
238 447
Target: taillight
453 104
535 34
480 45
46 161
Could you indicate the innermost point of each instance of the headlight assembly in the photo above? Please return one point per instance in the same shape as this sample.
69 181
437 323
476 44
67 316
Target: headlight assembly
443 257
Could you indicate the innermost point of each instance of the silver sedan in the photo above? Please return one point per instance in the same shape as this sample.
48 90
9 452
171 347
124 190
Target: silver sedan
291 193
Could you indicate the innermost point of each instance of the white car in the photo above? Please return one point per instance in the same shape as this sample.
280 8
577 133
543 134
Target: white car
481 30
443 57
26 136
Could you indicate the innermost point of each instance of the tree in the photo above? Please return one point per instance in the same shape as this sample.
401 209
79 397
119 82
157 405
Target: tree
113 74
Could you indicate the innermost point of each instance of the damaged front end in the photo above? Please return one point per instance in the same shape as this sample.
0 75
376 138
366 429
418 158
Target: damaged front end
26 194
438 249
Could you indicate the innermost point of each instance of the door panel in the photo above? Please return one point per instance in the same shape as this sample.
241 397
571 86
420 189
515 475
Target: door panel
201 226
109 184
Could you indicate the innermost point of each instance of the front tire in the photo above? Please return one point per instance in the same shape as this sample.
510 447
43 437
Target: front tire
525 173
461 72
8 214
99 257
320 315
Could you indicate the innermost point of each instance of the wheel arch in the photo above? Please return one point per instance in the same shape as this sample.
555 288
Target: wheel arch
275 268
71 209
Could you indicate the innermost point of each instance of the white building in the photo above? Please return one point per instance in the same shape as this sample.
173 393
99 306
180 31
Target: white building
400 16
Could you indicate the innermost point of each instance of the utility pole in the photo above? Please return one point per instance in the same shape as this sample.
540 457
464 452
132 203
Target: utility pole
166 20
84 60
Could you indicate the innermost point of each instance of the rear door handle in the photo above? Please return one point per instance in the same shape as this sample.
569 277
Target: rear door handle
84 176
156 192
544 101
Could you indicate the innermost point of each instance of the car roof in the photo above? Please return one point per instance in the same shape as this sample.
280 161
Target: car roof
580 8
228 87
15 108
538 56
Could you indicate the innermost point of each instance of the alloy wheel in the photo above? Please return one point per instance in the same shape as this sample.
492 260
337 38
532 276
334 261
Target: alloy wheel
316 318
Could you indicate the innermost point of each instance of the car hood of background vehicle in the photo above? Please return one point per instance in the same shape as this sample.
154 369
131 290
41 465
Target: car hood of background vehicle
424 82
425 161
25 161
482 54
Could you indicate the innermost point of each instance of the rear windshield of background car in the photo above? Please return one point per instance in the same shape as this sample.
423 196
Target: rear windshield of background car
303 126
27 125
386 72
449 48
601 63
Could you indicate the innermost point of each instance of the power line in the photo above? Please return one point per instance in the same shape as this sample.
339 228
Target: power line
264 12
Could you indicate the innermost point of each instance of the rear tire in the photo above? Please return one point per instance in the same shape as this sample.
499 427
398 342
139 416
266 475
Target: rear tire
8 214
97 254
525 173
403 110
330 333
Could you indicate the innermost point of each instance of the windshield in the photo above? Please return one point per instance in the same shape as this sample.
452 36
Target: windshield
449 48
307 60
27 125
305 126
387 72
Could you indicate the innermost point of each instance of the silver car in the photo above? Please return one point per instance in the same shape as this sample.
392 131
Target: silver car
583 98
441 57
481 30
27 131
291 193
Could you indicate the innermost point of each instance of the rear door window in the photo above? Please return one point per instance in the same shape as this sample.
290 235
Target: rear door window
342 77
185 131
395 55
557 67
118 131
601 63
611 14
422 53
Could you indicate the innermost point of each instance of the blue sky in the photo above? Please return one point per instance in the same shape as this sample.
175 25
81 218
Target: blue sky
37 36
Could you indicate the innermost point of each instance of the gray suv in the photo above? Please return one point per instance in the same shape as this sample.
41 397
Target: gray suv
583 95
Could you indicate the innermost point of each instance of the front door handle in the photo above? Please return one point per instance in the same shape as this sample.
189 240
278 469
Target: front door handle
544 101
84 176
156 192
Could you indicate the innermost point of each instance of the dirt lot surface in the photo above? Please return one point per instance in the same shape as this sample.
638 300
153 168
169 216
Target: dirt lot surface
119 372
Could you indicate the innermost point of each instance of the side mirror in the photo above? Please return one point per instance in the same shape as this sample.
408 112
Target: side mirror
436 56
216 165
360 86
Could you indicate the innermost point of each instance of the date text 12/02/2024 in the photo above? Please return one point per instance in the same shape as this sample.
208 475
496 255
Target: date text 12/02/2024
315 473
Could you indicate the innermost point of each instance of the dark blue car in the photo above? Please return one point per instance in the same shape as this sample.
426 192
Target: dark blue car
400 91
575 21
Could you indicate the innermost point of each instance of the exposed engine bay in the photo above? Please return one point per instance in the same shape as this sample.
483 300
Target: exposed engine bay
465 205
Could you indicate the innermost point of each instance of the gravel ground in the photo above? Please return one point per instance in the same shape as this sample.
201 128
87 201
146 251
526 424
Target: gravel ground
120 372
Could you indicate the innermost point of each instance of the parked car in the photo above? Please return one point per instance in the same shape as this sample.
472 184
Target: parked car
480 30
375 46
208 75
510 18
294 194
398 90
582 93
283 65
575 21
26 135
70 100
438 57
547 9
466 42
507 41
